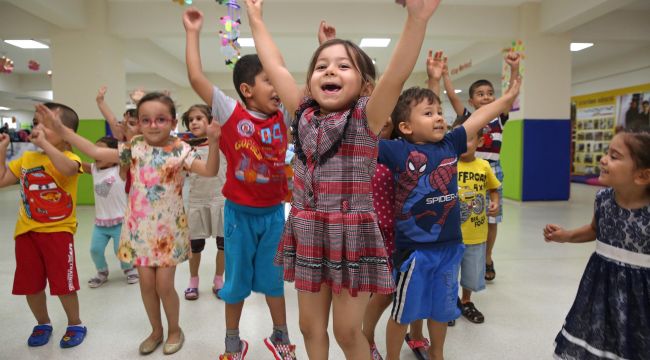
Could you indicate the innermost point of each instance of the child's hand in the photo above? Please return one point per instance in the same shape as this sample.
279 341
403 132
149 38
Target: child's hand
435 65
513 59
137 94
326 32
4 141
445 68
513 91
214 131
493 209
192 20
254 8
420 9
49 118
555 233
100 94
37 137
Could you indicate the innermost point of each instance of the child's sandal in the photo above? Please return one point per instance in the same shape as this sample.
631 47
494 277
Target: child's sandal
419 347
74 335
471 313
490 274
40 335
191 294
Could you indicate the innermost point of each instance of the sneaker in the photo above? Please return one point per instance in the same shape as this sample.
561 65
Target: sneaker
419 347
238 355
98 280
40 335
374 352
74 335
281 351
132 276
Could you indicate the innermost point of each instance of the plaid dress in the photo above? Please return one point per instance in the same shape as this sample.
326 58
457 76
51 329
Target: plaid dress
331 235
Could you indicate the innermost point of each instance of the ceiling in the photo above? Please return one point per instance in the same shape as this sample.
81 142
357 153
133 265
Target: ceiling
467 30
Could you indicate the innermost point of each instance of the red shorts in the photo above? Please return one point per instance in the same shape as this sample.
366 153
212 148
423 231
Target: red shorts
41 256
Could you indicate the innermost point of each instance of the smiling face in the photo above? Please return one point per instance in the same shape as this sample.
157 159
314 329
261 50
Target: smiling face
156 122
262 96
618 168
197 123
482 95
425 123
336 81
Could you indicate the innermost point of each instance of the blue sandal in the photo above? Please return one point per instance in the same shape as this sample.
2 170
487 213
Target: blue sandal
40 335
74 335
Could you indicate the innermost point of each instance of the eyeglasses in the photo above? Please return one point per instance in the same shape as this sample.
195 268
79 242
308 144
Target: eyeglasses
159 121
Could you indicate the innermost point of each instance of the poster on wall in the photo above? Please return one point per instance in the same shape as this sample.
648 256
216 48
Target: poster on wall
597 117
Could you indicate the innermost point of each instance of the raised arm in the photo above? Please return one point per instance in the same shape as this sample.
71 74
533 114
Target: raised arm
63 164
272 61
193 20
116 129
209 167
325 32
585 233
6 176
49 119
513 59
435 66
455 101
482 116
384 97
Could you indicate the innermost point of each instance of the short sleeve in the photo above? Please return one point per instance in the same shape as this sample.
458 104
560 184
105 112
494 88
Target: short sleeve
388 153
504 118
458 138
287 117
466 113
492 181
74 157
222 105
124 152
15 166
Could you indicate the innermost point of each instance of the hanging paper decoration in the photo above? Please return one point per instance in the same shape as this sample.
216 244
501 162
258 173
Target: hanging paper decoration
183 2
6 65
229 45
33 65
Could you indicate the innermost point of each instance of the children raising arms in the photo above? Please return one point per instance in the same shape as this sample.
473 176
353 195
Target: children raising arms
155 235
609 318
331 246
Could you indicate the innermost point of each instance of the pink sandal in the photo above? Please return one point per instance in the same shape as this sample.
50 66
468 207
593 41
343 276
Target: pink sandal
191 293
419 347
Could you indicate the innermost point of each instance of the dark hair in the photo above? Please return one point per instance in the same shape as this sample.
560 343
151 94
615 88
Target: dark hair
130 113
645 102
69 117
407 100
109 141
476 84
245 71
460 120
638 143
160 97
205 109
361 61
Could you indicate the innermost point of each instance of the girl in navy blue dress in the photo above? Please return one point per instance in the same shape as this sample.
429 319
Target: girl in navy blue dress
610 317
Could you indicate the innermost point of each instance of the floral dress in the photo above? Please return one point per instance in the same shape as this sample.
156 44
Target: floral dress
610 318
155 232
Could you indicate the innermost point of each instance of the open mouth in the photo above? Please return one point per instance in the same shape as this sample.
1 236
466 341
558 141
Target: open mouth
331 88
438 128
275 99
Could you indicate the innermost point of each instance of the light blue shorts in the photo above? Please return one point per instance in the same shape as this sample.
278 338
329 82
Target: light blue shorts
251 237
498 172
427 284
472 268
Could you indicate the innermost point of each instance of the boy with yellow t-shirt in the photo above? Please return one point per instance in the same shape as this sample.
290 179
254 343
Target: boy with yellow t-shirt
475 181
46 224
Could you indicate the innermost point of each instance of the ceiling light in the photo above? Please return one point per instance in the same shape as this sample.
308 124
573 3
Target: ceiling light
27 44
374 42
4 108
456 91
580 46
246 42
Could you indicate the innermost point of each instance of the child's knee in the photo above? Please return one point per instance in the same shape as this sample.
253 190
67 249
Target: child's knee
312 329
346 334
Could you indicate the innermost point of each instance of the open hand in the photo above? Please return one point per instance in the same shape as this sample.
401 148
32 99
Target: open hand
137 94
421 9
326 32
192 19
214 131
254 8
101 93
435 64
46 117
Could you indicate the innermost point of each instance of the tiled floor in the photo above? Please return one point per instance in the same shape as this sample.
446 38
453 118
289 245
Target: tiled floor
524 307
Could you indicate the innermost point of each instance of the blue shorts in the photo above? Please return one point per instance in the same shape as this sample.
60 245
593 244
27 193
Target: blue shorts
472 268
427 284
251 241
498 172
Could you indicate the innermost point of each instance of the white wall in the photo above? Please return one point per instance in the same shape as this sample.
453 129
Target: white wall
21 116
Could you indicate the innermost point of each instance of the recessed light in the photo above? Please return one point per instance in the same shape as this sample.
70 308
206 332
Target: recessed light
374 42
456 91
246 42
27 44
580 46
4 108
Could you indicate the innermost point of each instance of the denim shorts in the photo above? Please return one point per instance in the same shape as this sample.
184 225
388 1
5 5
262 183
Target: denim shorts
498 172
472 267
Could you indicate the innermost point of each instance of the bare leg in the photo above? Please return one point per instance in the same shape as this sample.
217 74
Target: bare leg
278 309
195 261
467 296
38 305
220 263
151 300
348 313
233 315
415 330
491 240
70 304
376 307
394 337
314 314
167 293
437 334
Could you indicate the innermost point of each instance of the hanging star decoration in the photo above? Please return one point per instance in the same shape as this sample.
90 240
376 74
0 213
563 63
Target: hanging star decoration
229 36
33 65
6 65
